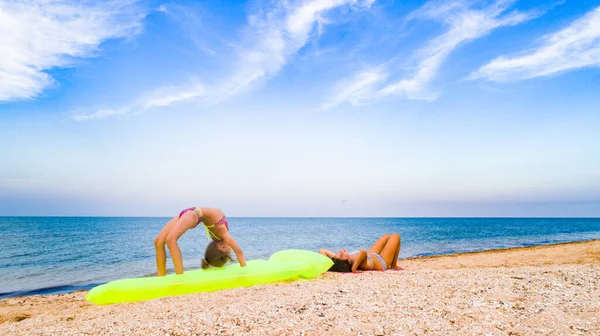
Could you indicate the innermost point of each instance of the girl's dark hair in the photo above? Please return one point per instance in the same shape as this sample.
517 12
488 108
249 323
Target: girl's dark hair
214 257
340 265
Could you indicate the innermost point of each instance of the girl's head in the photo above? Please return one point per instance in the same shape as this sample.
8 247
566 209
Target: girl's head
341 262
340 265
216 254
342 255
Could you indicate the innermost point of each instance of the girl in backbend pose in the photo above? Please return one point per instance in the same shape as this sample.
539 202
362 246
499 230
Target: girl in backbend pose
218 250
381 256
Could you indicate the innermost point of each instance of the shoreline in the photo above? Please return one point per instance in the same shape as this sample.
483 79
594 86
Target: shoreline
543 289
533 255
71 288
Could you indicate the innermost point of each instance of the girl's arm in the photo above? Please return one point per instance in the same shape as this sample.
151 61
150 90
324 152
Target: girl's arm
327 253
362 255
228 239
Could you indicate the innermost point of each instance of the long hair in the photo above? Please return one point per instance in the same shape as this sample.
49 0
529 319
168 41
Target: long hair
214 257
340 265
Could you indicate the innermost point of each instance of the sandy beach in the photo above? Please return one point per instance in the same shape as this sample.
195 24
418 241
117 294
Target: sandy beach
543 290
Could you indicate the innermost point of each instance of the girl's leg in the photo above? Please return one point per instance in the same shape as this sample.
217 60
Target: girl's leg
395 264
159 245
379 244
391 250
184 223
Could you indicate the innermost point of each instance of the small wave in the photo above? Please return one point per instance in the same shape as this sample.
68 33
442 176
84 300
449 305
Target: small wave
49 290
496 247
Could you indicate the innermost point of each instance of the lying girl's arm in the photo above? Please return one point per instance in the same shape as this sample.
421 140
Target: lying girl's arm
228 239
362 255
327 253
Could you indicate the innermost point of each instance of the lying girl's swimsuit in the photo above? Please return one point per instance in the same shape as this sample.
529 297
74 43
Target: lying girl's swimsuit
209 233
383 264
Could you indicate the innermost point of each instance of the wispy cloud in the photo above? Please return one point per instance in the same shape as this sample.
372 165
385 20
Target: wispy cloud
361 87
272 37
36 36
576 46
159 98
464 24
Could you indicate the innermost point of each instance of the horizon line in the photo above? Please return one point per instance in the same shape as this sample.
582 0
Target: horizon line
318 217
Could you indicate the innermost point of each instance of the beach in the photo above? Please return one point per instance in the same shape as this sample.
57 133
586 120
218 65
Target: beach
541 290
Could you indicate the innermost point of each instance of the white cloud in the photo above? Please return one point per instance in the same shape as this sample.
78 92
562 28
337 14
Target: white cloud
576 46
363 86
103 113
271 39
277 36
464 24
36 36
159 98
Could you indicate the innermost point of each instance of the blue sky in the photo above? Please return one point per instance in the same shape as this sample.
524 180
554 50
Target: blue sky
286 108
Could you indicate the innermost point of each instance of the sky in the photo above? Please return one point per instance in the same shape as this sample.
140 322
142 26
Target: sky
300 108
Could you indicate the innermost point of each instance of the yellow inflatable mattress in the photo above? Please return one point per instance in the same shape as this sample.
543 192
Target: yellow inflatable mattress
283 265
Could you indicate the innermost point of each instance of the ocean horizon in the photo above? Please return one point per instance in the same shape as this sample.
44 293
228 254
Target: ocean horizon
60 254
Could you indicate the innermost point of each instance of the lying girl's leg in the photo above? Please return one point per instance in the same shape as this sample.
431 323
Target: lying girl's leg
379 244
395 264
391 250
159 245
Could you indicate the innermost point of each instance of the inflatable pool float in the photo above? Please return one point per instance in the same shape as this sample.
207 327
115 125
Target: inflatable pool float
283 265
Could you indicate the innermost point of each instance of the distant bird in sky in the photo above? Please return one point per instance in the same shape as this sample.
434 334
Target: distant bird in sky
343 201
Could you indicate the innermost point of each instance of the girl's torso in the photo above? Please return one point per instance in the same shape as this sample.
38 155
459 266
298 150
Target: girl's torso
210 216
214 222
372 262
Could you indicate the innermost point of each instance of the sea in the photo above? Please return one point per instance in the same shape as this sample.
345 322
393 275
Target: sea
51 255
